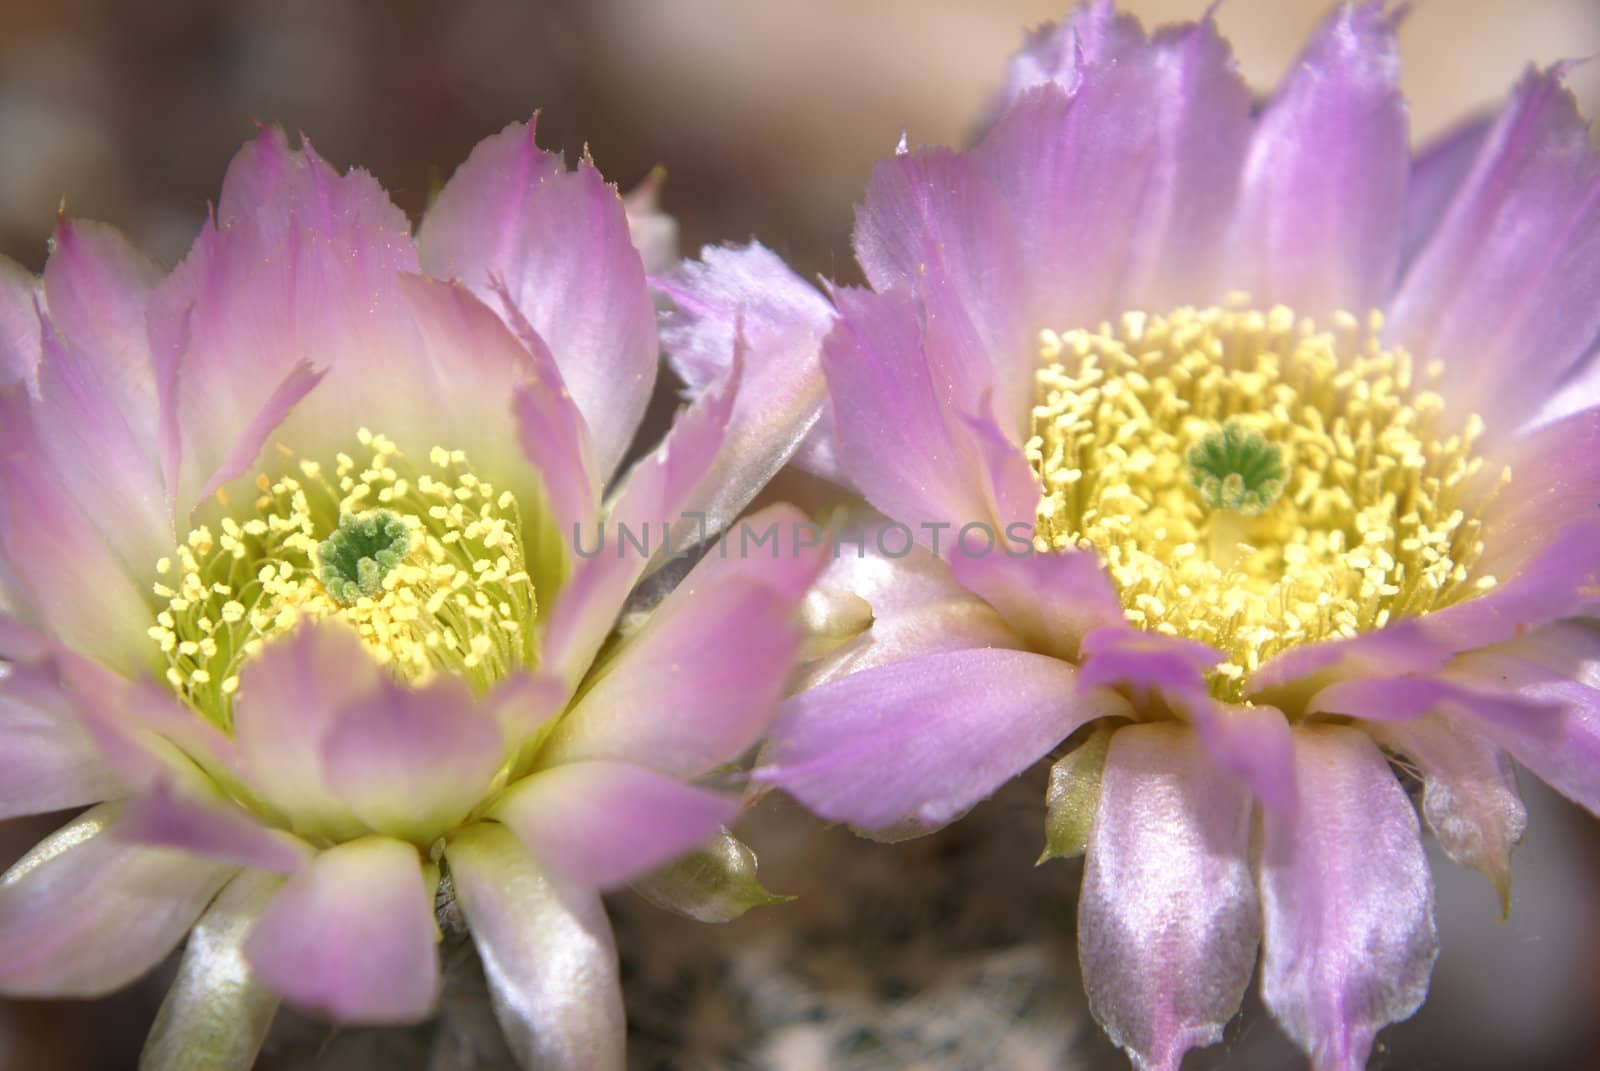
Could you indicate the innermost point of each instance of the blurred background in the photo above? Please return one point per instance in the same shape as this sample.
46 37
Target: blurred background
950 953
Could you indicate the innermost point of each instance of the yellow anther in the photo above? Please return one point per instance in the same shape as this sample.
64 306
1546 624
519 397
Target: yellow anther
1367 528
229 596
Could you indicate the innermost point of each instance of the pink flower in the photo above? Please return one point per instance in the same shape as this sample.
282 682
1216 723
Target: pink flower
285 538
1277 456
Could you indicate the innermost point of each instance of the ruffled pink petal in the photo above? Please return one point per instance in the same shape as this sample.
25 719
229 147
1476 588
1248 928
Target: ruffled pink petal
496 393
48 762
602 824
921 741
932 222
1051 600
97 410
59 573
1054 54
288 699
1507 292
1121 168
1349 939
1557 668
917 608
547 953
553 436
914 459
97 287
1436 177
655 493
352 936
1168 921
698 683
106 463
411 762
1322 211
213 829
747 297
19 325
84 913
559 242
298 269
1469 793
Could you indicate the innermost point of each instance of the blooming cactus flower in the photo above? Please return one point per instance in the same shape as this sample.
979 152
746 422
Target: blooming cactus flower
1245 455
286 546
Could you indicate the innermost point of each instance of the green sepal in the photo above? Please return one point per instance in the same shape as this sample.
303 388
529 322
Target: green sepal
716 884
216 1014
1073 797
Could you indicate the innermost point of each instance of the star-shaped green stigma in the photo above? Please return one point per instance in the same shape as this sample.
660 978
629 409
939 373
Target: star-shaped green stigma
359 553
1237 470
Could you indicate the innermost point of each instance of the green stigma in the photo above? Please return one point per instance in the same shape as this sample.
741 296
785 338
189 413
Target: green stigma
1237 470
357 556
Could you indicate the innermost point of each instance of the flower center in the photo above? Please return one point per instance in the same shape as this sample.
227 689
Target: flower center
360 553
424 562
1252 481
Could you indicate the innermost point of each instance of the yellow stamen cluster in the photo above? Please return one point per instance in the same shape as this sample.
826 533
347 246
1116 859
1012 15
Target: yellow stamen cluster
460 600
1369 526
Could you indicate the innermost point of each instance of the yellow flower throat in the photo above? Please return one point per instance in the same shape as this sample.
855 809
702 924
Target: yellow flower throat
1252 481
425 563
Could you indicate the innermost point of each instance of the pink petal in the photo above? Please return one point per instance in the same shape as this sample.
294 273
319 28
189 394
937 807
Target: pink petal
352 936
1052 600
747 296
1055 53
1469 793
547 953
1508 290
697 685
84 913
931 220
411 762
1250 741
97 287
1121 165
655 493
1555 485
559 241
496 393
917 607
913 458
1168 921
59 573
19 325
1349 939
48 762
921 741
288 698
1437 174
213 829
298 268
602 824
106 461
1557 668
1323 205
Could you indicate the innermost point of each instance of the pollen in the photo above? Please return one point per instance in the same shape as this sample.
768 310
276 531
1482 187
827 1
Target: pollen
424 562
1254 481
